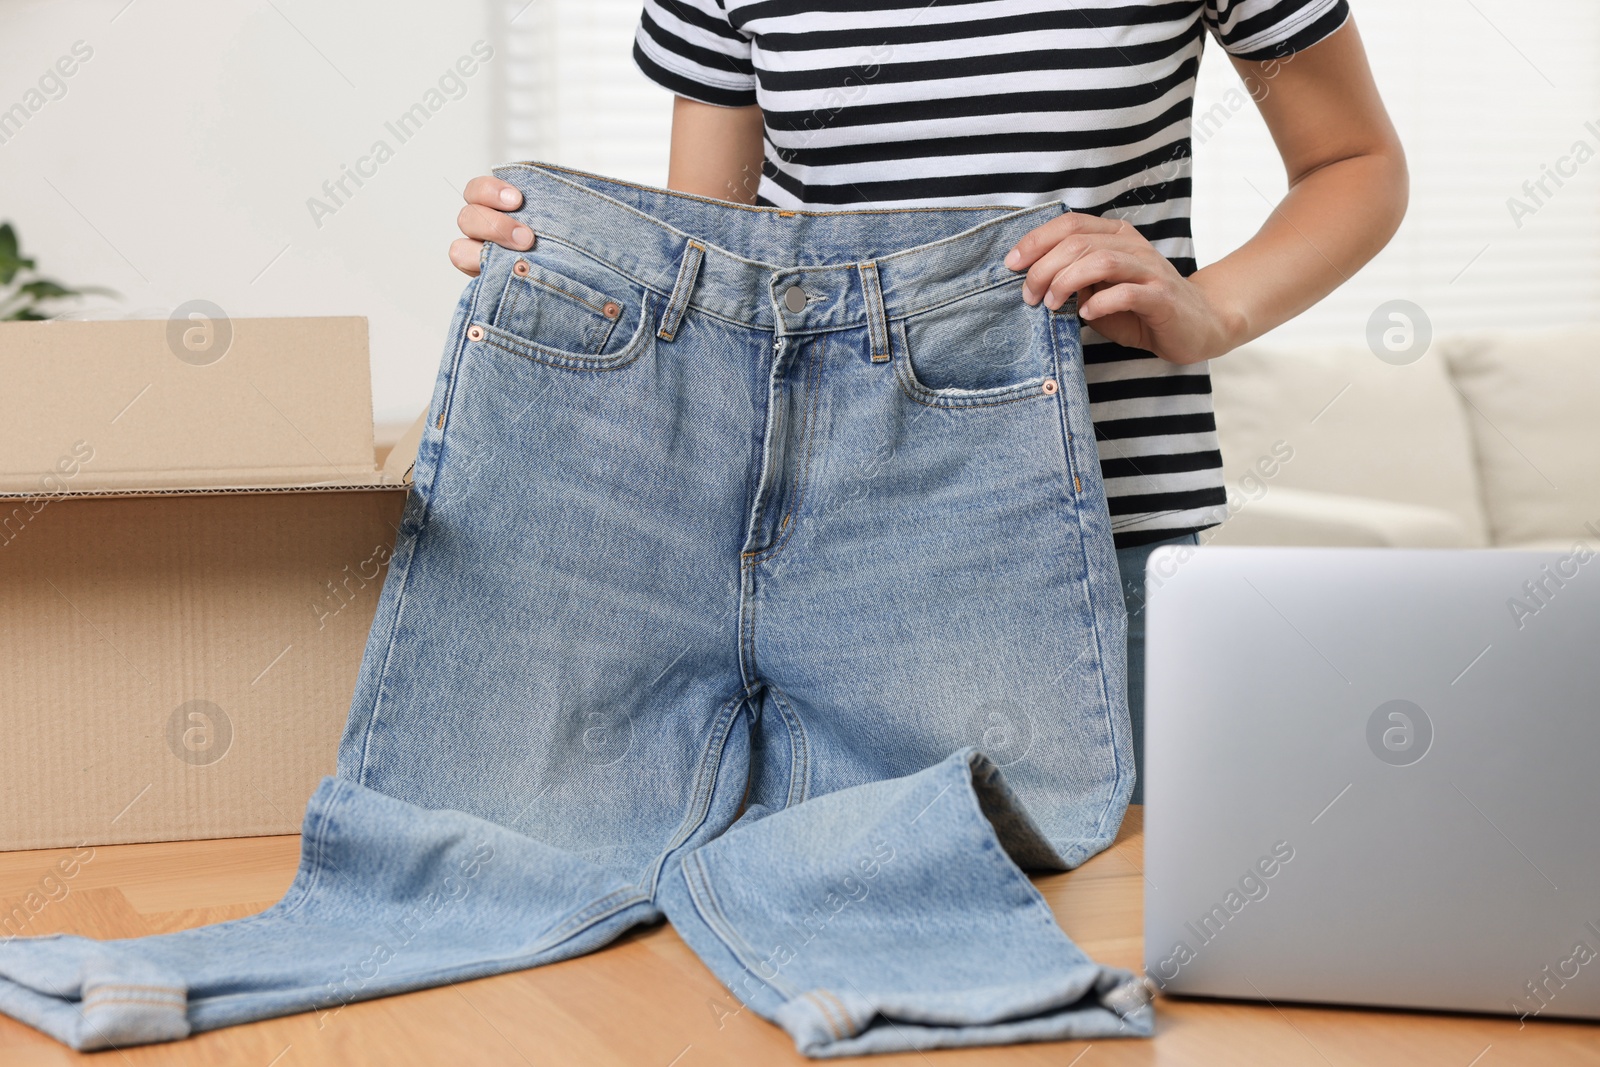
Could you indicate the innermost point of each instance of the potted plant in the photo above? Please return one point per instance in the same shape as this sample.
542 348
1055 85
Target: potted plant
25 295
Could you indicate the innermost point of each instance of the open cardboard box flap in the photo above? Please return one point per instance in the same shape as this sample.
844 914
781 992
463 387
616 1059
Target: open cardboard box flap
136 407
192 543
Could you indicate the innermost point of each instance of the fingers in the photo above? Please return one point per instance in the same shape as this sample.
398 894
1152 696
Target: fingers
1041 239
1073 249
1108 236
1102 266
488 191
484 218
487 224
465 255
1141 300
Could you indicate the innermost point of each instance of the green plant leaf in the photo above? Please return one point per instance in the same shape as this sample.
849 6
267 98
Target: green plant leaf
25 300
10 258
44 289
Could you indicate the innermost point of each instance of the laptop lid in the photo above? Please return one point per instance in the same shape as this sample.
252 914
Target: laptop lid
1373 776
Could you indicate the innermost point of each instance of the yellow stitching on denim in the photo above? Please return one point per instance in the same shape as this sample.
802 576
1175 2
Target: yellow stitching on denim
872 290
800 746
911 387
805 466
515 300
531 165
971 291
1064 414
563 292
566 362
508 342
721 723
844 1012
679 302
101 1002
584 250
726 254
753 557
827 1014
1013 211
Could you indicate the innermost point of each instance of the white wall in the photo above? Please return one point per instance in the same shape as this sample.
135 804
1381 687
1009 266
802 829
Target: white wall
1485 95
179 162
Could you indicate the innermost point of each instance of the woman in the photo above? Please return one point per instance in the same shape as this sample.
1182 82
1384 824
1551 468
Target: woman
1002 102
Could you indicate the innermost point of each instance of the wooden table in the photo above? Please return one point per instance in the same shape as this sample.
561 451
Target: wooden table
646 1001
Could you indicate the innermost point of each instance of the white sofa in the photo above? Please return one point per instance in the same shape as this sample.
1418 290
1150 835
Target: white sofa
1487 440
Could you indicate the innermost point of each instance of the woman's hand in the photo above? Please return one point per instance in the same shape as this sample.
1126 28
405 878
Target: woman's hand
485 219
1347 194
1126 290
716 152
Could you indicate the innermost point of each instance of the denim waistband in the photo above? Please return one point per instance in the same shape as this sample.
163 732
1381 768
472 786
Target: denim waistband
738 262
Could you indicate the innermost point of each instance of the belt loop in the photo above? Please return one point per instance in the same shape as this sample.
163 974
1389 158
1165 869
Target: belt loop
688 267
877 321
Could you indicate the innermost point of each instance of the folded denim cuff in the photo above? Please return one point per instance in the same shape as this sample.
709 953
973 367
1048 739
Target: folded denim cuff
114 997
1099 1002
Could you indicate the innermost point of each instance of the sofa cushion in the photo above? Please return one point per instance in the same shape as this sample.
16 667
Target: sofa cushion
1349 424
1533 406
1287 516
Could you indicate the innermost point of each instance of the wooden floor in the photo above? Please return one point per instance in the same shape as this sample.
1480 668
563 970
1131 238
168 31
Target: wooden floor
646 1001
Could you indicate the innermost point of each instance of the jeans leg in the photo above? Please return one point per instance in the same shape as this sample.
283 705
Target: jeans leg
1131 561
550 704
948 579
389 897
894 916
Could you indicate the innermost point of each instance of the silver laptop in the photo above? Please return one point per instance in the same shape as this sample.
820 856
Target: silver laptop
1373 777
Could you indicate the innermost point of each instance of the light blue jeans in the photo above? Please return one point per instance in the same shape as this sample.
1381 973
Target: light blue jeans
1130 562
757 574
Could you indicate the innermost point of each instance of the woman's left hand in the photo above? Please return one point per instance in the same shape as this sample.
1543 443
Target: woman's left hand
1126 290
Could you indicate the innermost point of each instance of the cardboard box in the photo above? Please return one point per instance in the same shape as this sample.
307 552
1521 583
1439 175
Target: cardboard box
193 534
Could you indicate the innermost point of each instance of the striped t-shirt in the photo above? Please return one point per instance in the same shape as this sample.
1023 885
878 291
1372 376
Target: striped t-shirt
910 103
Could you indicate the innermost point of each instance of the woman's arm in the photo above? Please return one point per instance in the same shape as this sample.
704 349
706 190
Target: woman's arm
716 152
1347 193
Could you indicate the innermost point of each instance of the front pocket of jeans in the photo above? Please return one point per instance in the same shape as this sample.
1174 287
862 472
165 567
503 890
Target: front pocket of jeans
548 308
981 348
549 316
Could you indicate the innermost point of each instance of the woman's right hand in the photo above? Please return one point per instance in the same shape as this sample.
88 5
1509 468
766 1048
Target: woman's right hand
485 219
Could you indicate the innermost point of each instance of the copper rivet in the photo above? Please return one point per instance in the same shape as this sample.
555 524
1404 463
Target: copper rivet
611 309
521 267
475 333
1050 387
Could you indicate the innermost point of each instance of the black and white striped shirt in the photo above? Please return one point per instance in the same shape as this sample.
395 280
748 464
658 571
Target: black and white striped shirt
913 103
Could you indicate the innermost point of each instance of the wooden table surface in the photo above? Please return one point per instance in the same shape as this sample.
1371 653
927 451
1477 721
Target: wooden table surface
646 1001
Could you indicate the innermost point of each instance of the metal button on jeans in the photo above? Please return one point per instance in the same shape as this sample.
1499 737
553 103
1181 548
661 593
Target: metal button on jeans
794 298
